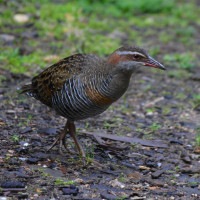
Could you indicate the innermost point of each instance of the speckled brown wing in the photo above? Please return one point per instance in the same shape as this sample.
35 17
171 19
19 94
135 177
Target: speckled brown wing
51 80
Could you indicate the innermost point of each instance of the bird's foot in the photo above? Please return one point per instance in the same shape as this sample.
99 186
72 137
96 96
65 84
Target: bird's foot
61 140
71 130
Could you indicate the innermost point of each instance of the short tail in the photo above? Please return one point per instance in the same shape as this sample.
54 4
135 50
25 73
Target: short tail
28 90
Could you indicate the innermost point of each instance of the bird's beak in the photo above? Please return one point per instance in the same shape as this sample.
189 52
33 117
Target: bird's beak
154 63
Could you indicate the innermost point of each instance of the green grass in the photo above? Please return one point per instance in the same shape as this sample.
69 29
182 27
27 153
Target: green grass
2 78
179 74
19 64
196 97
90 154
182 61
196 103
126 8
181 96
166 110
86 26
198 138
154 127
165 37
122 198
62 182
15 138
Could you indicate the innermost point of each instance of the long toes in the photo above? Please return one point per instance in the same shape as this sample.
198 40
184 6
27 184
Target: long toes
82 154
54 143
65 146
61 144
60 151
81 151
60 147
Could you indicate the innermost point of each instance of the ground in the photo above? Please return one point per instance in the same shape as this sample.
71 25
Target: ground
145 146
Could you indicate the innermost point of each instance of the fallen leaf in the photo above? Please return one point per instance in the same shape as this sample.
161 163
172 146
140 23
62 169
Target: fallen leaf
116 183
38 190
63 169
78 180
135 175
197 150
144 167
154 188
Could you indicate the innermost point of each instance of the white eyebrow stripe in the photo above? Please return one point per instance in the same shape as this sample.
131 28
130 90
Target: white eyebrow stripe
129 53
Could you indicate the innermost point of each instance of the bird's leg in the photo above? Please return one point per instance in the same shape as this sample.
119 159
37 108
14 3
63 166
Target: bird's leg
72 132
61 139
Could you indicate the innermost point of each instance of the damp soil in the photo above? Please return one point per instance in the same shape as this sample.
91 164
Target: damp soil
149 111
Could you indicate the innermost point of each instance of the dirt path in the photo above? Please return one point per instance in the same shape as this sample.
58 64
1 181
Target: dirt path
150 110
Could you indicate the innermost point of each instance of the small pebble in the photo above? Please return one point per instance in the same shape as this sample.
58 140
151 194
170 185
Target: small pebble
26 130
32 160
176 141
21 18
10 111
116 183
25 144
108 196
12 184
7 38
167 96
72 190
157 173
186 159
159 164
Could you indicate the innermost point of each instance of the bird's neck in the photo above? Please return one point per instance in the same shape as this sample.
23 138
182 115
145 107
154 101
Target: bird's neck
117 86
120 83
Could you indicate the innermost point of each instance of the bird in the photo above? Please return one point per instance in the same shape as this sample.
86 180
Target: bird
85 85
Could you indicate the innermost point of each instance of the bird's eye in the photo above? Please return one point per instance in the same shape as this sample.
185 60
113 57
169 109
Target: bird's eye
136 56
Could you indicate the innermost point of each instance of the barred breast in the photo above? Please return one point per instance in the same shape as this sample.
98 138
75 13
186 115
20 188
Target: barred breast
82 97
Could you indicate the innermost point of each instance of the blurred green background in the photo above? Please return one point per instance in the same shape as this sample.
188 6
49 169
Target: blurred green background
35 34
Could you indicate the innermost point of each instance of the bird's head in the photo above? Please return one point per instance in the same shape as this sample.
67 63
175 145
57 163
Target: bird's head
129 58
